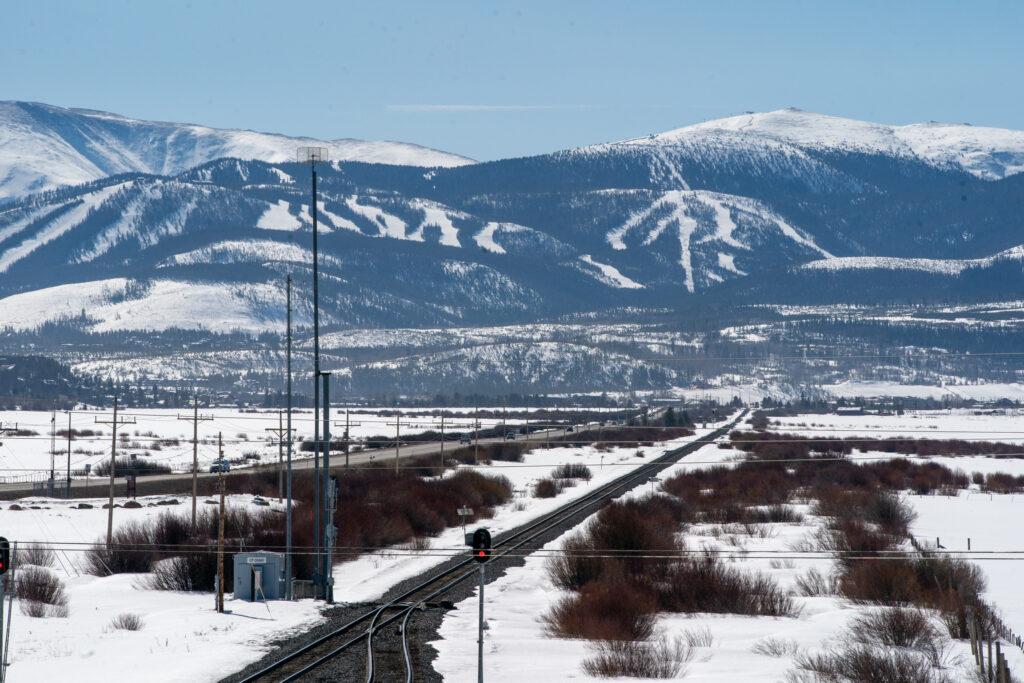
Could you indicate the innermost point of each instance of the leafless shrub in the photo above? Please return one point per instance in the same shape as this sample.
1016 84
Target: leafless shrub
610 609
36 610
774 514
573 568
37 554
39 585
895 627
658 658
190 572
547 488
776 647
126 622
130 551
705 584
40 593
863 663
814 584
571 471
418 544
699 637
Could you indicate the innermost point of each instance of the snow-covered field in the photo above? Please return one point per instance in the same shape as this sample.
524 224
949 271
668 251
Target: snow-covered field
158 436
514 603
183 639
962 424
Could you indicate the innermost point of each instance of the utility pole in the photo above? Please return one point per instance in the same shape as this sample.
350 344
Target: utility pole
288 383
348 425
280 433
398 439
114 424
220 529
53 449
328 496
195 419
442 443
476 435
347 436
67 491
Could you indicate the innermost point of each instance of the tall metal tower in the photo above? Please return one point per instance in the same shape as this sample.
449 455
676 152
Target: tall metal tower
313 155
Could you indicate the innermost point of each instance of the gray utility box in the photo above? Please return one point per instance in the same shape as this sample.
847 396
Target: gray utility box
259 576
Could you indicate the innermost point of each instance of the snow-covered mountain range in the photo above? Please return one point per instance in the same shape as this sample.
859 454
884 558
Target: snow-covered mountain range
184 227
990 153
43 147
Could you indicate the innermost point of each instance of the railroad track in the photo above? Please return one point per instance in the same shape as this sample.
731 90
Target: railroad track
310 657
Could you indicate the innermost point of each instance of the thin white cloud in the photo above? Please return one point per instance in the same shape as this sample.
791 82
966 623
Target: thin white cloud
459 108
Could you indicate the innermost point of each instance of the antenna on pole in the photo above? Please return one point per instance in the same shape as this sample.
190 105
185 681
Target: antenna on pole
312 155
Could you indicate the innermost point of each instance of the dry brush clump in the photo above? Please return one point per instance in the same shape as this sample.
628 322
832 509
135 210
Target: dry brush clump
865 663
907 628
573 470
40 593
769 445
126 622
660 657
546 487
628 565
37 554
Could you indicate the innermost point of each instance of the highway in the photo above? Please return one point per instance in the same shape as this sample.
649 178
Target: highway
181 482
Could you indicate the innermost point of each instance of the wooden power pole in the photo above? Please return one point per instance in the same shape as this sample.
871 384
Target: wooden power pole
195 420
280 431
114 424
220 530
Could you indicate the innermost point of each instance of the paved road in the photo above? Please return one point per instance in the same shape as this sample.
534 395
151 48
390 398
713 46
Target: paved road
180 482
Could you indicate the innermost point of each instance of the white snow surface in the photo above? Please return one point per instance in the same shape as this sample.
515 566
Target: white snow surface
609 274
278 217
1007 426
182 637
684 212
925 265
54 228
115 304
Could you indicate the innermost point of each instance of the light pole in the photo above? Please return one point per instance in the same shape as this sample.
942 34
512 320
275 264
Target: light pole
312 155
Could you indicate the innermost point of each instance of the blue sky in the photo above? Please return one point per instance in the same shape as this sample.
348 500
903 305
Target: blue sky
490 80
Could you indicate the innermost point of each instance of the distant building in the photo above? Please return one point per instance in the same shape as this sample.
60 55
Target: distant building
849 410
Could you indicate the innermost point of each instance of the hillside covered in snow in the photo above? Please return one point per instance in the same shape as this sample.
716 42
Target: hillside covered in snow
43 147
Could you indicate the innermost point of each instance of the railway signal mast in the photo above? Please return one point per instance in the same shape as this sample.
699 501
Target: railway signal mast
481 543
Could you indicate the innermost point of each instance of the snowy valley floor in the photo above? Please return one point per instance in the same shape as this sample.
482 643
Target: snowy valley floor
182 638
517 646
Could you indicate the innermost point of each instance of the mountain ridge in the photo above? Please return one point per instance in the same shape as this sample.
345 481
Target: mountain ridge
43 146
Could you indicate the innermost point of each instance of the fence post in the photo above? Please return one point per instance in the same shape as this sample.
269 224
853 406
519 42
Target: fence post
989 661
999 662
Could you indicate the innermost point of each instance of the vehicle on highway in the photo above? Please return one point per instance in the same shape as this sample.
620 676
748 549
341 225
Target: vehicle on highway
510 436
465 439
570 428
220 466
